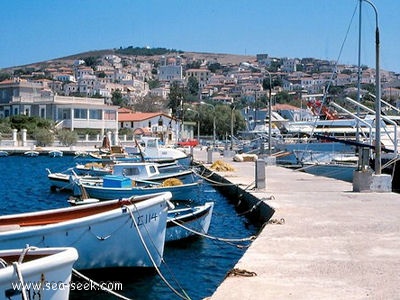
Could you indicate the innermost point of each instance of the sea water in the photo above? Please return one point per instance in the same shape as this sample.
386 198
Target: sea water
193 268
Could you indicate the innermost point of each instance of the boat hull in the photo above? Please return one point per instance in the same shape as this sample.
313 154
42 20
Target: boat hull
343 172
54 265
187 222
63 181
179 192
104 240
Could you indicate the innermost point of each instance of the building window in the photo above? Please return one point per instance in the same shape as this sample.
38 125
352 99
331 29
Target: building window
80 113
65 113
110 115
95 114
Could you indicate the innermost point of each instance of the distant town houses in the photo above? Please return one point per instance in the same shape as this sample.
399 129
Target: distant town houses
76 95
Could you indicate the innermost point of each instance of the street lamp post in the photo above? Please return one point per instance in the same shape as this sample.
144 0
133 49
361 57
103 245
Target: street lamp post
269 113
213 107
198 123
232 119
378 148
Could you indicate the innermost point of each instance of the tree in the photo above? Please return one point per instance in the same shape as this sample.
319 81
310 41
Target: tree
193 86
223 120
214 67
153 83
91 61
30 123
116 98
176 96
4 76
149 104
283 97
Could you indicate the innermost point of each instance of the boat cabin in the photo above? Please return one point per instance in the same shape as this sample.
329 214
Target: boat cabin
136 170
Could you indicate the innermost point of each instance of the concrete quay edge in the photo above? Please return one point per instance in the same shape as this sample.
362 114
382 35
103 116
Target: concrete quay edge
330 243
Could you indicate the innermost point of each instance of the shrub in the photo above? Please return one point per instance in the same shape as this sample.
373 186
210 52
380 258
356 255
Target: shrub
43 137
67 138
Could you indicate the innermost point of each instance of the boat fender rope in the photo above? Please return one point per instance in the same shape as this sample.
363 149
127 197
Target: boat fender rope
103 238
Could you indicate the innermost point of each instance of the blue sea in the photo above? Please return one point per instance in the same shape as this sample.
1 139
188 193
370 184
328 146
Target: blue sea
194 268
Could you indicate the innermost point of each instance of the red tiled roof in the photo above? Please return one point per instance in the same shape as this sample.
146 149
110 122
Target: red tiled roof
128 115
7 81
124 110
142 130
135 116
284 107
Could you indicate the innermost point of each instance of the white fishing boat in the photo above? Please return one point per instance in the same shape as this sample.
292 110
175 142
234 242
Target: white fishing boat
119 233
40 273
151 149
116 187
182 222
61 181
152 171
140 172
188 221
94 169
31 153
55 153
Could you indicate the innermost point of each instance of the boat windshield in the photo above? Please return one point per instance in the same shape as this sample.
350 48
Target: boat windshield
130 171
152 143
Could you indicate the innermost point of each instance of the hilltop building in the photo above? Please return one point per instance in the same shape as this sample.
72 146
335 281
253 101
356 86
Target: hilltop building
170 69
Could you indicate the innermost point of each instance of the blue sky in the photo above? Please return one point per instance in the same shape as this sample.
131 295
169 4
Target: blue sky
33 31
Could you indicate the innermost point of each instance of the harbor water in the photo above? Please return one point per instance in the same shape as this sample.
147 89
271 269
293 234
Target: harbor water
194 268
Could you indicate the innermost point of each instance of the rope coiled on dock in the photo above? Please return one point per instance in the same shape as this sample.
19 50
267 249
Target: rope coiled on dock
240 272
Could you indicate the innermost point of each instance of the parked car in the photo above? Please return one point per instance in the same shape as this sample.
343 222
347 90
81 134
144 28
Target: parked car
188 143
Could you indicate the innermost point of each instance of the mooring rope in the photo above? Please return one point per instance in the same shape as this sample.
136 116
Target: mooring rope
21 280
256 205
76 273
213 182
228 241
151 257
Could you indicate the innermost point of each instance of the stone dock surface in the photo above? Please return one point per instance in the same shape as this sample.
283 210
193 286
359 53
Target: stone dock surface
328 242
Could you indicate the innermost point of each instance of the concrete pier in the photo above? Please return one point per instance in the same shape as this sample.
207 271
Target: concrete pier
324 241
